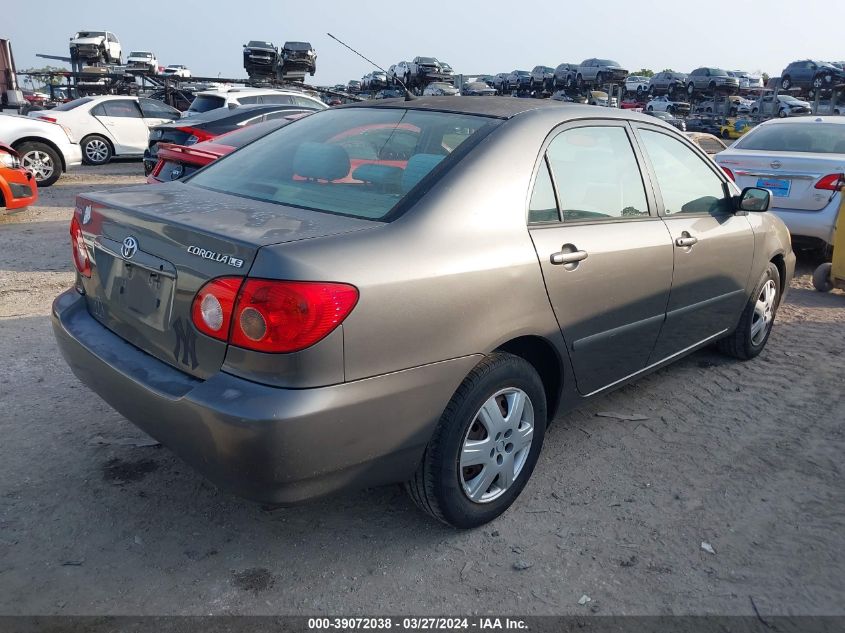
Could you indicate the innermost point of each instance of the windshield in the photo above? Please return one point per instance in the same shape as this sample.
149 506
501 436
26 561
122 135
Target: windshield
82 34
608 62
257 44
298 46
426 60
818 138
140 54
204 103
70 105
360 162
718 72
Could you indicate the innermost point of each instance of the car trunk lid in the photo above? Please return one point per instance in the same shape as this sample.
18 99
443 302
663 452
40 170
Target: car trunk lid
153 248
790 176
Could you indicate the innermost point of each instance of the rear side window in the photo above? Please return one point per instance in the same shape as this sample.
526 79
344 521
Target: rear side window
204 103
822 138
70 105
596 174
360 162
122 108
687 183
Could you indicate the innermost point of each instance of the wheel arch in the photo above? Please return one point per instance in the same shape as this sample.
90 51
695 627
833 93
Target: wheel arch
780 263
543 356
44 141
102 136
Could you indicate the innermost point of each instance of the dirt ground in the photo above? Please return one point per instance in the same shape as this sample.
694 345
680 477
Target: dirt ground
747 457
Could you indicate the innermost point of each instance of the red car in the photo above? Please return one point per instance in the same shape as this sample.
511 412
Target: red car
17 185
177 161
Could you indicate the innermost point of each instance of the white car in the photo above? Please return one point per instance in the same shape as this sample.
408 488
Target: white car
110 125
142 60
95 46
213 99
177 70
440 89
787 105
47 148
665 104
801 161
637 84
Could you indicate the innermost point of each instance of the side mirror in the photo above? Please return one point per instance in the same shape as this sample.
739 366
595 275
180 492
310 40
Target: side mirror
754 199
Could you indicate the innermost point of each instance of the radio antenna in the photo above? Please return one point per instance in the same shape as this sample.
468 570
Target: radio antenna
408 95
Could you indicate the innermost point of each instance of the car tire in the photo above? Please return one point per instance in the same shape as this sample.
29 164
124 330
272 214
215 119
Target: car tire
599 79
42 160
579 82
440 486
96 150
821 278
755 324
786 83
650 109
782 114
691 89
726 134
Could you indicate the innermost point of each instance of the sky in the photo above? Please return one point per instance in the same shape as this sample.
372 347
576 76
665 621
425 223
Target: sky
474 37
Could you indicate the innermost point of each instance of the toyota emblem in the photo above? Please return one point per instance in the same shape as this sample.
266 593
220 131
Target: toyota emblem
130 247
775 164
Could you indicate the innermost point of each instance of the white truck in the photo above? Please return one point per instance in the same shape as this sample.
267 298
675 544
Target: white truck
142 60
94 47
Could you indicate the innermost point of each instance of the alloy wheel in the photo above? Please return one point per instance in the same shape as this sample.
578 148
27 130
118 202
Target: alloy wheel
496 445
764 312
96 150
39 163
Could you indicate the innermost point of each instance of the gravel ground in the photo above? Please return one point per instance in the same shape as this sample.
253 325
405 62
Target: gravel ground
747 457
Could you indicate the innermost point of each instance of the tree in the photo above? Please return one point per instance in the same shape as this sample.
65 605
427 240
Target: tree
668 70
41 74
644 72
766 78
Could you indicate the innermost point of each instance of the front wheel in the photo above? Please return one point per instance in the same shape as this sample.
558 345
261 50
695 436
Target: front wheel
485 446
691 90
755 324
42 160
786 83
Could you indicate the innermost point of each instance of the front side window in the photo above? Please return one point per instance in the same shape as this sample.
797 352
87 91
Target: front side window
596 174
687 183
360 162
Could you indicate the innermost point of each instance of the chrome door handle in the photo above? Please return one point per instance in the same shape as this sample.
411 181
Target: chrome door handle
568 258
686 241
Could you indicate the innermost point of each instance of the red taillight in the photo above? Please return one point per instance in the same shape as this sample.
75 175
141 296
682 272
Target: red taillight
287 316
213 306
200 135
729 173
47 118
831 182
78 248
271 316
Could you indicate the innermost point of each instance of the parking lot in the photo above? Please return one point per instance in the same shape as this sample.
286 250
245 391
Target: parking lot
743 457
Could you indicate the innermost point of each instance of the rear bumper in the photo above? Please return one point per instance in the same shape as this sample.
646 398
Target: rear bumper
268 444
813 224
72 153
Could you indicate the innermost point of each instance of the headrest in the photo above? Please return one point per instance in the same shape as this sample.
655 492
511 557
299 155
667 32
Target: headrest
384 175
418 168
321 161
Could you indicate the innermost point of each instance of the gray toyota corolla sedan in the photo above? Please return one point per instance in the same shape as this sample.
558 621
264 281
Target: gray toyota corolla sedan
411 291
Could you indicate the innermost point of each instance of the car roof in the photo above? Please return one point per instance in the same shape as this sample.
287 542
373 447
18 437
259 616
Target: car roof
249 91
496 107
807 120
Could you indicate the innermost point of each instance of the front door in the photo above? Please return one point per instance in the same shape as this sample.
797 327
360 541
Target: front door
606 260
713 246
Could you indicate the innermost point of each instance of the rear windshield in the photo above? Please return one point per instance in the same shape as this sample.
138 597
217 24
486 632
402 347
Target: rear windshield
204 103
360 162
822 138
70 105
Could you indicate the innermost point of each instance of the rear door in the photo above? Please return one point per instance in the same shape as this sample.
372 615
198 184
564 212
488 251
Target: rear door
606 259
713 246
124 124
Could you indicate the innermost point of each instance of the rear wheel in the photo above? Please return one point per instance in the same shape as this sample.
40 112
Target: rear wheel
96 150
485 446
726 133
691 89
42 160
755 324
821 278
786 83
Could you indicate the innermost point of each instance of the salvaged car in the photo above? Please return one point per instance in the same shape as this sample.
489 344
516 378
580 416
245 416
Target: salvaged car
142 60
95 46
260 59
298 57
18 188
411 291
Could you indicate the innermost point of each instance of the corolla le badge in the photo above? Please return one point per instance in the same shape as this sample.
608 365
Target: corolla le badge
129 248
216 257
